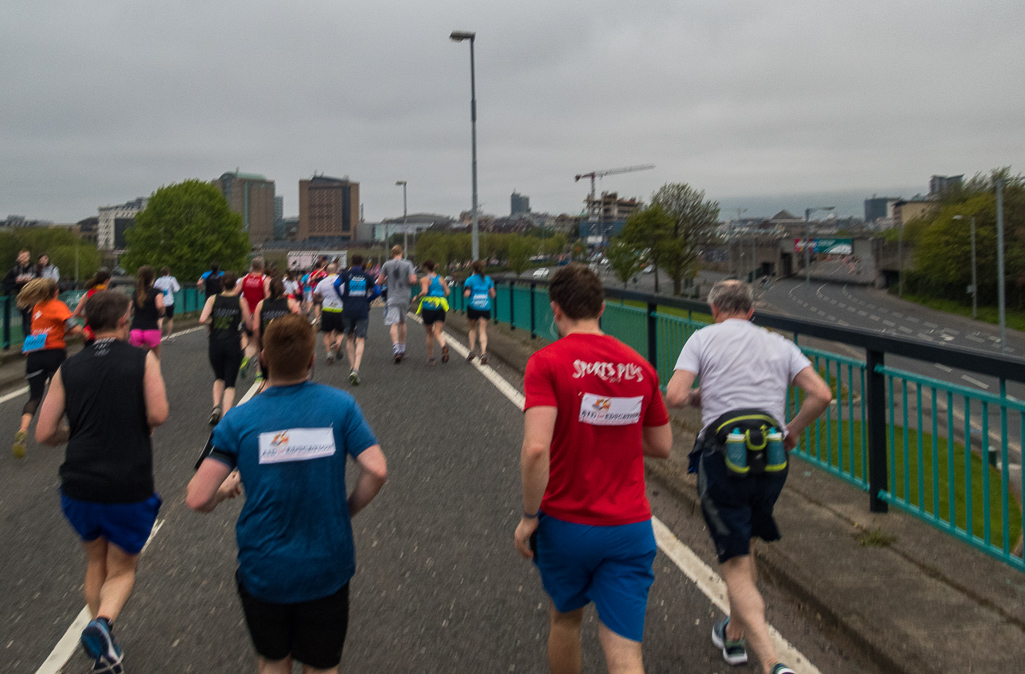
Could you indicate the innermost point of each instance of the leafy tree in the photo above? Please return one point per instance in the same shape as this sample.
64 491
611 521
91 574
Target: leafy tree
184 226
554 245
693 223
649 232
521 249
625 260
60 244
578 252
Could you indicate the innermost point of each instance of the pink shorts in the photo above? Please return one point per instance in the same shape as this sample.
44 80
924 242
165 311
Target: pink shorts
147 338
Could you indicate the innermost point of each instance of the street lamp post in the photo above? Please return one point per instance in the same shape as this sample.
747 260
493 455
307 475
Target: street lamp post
807 239
1001 298
975 278
459 36
405 227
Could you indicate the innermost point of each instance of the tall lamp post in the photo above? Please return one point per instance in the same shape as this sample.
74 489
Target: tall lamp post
405 227
1001 297
807 239
975 278
459 36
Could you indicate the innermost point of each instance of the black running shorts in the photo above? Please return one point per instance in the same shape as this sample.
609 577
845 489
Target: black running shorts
331 321
432 316
168 311
226 359
476 314
312 632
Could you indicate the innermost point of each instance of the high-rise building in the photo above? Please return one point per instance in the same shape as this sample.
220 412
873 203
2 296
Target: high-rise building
328 209
879 210
938 184
114 220
520 203
279 218
251 196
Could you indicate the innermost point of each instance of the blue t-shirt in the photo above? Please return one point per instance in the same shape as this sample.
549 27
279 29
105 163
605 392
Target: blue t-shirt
480 291
290 445
356 288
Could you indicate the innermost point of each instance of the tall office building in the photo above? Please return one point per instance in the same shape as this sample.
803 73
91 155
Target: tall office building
938 184
114 220
328 209
251 196
520 204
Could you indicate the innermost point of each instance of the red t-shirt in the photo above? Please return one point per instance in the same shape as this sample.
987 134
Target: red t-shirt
253 289
605 393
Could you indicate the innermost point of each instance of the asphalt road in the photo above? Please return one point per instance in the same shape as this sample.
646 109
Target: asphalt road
439 587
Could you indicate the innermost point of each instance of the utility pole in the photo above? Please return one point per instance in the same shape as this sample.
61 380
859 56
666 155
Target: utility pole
1001 299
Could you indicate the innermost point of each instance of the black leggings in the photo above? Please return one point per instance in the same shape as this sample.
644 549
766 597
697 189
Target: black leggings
40 367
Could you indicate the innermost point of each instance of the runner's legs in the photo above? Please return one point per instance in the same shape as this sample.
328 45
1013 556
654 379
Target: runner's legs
109 578
622 655
483 336
472 336
564 651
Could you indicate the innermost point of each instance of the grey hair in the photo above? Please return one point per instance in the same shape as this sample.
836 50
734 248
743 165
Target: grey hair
732 297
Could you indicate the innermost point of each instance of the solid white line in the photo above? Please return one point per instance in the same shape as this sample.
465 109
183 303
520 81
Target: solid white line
943 367
973 380
68 643
713 587
706 580
13 394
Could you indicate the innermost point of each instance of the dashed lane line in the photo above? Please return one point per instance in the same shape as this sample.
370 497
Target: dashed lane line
973 380
706 580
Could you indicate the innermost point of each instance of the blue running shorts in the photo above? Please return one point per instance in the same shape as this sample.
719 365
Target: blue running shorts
126 525
609 565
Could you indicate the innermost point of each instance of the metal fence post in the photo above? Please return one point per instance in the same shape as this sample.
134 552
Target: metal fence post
878 478
512 305
532 333
652 335
7 322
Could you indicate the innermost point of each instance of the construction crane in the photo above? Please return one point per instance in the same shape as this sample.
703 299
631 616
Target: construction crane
591 207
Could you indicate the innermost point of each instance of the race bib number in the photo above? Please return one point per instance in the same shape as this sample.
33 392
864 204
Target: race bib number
609 411
296 444
33 343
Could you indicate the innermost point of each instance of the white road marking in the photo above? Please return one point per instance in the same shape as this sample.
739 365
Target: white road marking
943 367
898 314
907 330
68 643
831 317
973 380
924 336
863 313
874 317
841 305
949 331
930 325
975 339
706 580
912 319
890 324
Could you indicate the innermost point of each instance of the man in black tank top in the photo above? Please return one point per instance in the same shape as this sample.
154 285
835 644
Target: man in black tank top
114 396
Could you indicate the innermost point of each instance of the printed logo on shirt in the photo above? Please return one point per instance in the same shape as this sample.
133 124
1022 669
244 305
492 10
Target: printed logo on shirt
610 372
605 411
296 444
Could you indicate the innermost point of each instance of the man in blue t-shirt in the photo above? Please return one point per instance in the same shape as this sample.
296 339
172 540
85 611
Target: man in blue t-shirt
210 281
480 290
288 447
357 290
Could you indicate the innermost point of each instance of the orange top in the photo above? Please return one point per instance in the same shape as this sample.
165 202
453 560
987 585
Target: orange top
49 317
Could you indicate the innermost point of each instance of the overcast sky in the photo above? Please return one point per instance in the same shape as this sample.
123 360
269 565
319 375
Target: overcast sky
787 101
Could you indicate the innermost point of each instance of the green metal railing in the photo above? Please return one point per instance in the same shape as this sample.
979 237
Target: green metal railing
944 452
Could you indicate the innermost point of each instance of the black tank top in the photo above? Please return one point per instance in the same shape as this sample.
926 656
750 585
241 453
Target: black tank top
109 458
212 284
226 318
272 309
147 316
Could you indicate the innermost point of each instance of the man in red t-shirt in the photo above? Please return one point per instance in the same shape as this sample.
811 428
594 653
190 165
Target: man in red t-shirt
594 410
255 287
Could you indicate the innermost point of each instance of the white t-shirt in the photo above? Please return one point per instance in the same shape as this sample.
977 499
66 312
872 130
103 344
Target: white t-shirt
327 292
741 366
169 286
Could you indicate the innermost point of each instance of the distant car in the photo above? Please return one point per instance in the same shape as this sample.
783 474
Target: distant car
650 269
541 272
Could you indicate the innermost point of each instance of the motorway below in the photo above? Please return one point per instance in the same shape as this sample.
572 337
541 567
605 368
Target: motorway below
439 587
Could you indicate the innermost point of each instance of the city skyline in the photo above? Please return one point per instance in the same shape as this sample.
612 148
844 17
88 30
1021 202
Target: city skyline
751 103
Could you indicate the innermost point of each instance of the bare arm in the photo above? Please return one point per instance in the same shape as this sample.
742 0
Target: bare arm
266 288
208 308
257 322
817 397
213 482
247 318
49 430
80 307
679 392
657 441
159 300
538 429
444 285
373 471
155 393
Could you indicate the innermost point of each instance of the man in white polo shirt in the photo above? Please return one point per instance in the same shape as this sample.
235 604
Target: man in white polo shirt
329 303
745 372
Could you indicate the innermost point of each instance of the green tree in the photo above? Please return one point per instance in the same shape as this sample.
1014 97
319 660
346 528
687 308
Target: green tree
554 245
521 249
694 220
625 260
184 226
649 232
62 245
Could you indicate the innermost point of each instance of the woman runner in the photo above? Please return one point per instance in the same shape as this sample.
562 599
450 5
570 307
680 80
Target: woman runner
148 304
52 321
226 313
481 290
277 305
100 281
432 308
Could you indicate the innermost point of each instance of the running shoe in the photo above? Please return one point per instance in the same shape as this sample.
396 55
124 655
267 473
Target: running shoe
244 370
431 361
484 359
469 357
780 668
98 643
354 377
107 666
18 449
444 354
733 652
330 357
398 358
215 416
